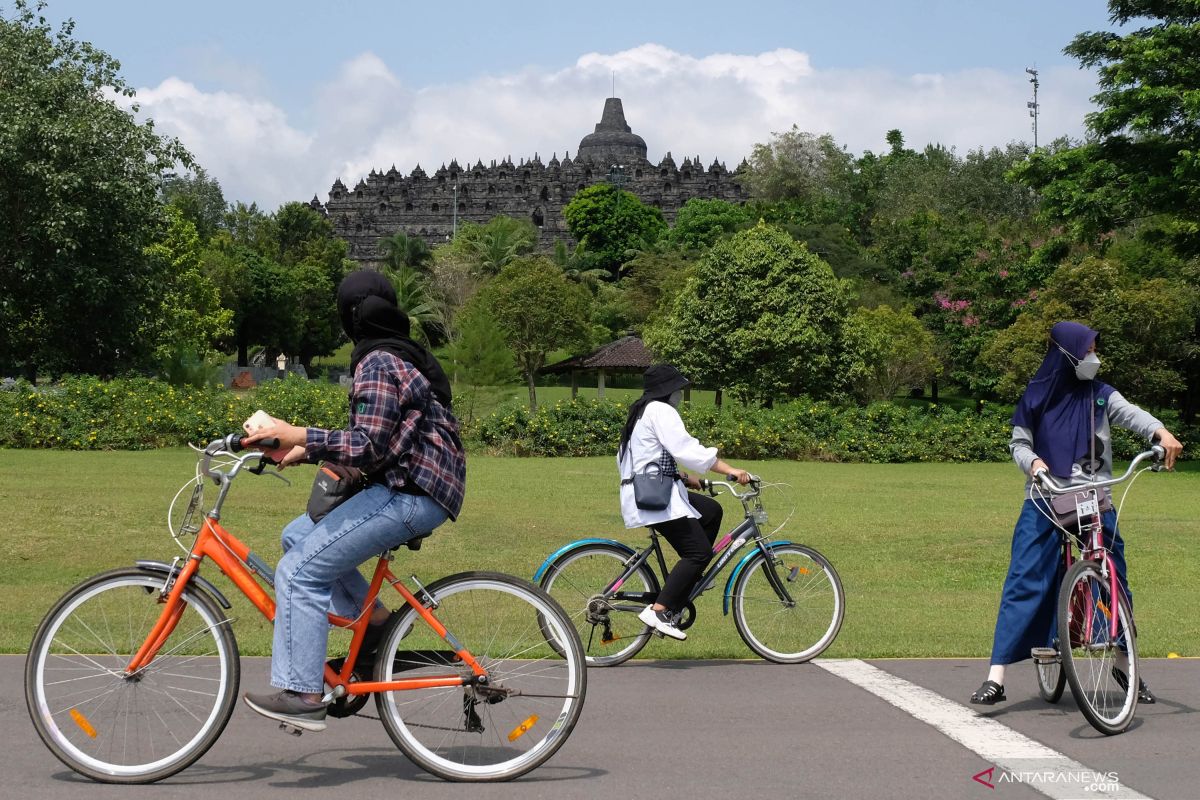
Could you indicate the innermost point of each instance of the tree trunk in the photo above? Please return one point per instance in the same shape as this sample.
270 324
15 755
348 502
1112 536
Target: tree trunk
243 356
531 379
933 394
717 398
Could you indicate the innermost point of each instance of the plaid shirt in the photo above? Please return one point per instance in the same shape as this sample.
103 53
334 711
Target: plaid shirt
399 433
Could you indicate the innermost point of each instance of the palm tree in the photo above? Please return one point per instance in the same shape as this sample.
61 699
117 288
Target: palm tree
415 299
575 267
502 240
403 251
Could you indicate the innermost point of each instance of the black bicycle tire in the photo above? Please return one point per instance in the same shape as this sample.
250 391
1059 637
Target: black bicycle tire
1068 662
401 620
647 575
1051 694
744 628
194 595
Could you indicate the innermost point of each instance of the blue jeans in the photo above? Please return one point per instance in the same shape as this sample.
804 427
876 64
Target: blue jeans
319 573
1029 601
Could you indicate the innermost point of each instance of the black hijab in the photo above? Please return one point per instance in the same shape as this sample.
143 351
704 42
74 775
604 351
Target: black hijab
659 382
367 307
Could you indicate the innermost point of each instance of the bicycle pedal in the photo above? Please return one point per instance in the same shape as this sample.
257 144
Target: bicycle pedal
1044 655
294 731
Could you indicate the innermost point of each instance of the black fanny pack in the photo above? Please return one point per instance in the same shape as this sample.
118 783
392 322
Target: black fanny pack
334 485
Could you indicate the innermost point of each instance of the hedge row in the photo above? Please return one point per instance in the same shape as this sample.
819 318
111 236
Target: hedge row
84 413
800 430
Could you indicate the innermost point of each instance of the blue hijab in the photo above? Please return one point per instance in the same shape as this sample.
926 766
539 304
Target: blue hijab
1056 403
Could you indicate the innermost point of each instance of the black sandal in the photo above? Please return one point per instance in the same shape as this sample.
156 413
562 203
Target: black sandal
1144 694
988 694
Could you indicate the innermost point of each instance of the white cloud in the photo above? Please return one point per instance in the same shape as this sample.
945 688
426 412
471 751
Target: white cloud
713 106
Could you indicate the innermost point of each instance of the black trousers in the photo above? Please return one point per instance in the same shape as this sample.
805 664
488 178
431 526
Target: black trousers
692 539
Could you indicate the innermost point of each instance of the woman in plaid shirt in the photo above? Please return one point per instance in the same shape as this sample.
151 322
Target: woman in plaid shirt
402 435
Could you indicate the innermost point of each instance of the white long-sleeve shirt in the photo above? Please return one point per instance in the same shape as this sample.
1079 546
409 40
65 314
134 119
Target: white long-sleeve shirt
659 429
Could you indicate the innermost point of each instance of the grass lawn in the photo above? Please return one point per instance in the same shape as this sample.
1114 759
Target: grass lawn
921 548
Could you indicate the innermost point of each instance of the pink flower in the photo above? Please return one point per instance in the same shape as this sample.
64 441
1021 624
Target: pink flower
970 321
1019 303
1003 273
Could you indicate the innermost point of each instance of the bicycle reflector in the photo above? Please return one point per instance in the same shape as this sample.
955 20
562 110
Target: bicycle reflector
83 723
523 728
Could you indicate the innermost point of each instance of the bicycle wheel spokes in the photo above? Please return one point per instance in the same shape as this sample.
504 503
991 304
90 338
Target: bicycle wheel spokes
532 697
1098 661
608 627
797 629
139 727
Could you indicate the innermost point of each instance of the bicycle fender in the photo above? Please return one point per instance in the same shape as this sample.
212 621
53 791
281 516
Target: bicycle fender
160 568
733 576
537 576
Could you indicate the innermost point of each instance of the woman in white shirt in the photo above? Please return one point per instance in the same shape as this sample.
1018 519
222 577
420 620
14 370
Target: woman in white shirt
654 435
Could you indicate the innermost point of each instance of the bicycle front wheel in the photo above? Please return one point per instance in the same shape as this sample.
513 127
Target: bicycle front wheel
130 728
534 691
608 627
788 608
1106 695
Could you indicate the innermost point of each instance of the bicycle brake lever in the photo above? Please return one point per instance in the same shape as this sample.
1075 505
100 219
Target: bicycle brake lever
280 477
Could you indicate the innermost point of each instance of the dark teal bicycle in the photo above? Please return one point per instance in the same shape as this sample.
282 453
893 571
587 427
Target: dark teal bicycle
786 598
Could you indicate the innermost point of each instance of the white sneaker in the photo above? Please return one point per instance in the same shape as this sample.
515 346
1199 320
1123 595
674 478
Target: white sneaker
658 621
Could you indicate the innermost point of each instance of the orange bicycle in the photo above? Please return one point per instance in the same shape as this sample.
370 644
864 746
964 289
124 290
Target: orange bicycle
133 674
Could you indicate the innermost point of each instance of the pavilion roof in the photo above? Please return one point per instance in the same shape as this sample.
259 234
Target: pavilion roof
626 353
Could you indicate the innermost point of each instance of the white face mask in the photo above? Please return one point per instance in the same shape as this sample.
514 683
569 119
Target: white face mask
1086 369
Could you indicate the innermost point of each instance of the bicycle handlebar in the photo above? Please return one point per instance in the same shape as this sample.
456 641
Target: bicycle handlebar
232 444
1051 484
755 487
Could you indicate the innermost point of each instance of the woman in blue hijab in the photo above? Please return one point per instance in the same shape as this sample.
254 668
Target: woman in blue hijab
1053 430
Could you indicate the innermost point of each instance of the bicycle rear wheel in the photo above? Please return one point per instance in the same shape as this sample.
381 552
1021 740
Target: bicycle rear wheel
795 628
1085 610
534 692
137 728
609 629
1051 679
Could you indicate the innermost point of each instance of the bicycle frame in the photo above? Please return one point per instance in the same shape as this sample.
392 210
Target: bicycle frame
235 560
1091 521
728 545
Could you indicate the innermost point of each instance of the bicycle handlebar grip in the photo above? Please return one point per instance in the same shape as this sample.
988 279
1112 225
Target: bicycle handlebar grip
235 443
1159 451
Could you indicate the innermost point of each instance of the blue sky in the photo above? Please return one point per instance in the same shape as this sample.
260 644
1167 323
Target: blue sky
276 99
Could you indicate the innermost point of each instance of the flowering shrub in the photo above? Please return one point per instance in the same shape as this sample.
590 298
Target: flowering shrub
84 413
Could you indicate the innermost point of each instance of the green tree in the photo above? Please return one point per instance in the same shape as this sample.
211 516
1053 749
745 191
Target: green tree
199 198
1146 329
79 205
700 223
760 316
479 355
612 223
803 168
316 260
189 319
538 310
651 280
1143 155
887 351
258 291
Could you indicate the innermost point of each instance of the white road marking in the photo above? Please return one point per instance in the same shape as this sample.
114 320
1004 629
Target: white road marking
1011 752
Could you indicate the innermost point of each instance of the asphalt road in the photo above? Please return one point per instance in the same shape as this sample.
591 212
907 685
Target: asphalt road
690 729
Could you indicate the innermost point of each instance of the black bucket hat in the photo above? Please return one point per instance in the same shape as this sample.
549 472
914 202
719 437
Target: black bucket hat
660 380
